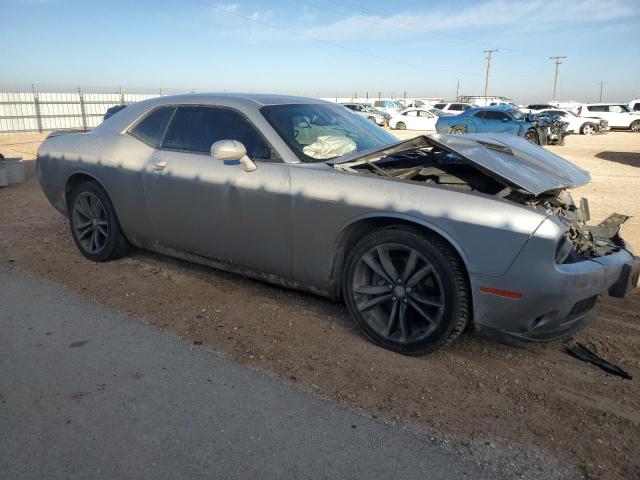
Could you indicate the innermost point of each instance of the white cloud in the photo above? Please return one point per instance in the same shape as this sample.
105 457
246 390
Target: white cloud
539 14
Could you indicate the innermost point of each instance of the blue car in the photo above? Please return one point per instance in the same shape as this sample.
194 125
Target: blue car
538 129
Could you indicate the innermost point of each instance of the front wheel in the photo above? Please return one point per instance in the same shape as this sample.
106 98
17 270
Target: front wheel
372 119
458 130
94 225
635 126
532 136
588 129
407 290
401 126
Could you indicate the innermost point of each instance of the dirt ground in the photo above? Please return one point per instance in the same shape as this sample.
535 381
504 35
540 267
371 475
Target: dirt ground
516 405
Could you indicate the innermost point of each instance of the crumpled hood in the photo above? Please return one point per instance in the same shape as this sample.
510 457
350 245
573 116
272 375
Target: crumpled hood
507 157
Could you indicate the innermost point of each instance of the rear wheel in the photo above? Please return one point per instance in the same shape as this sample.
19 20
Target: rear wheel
635 126
94 225
401 126
588 129
407 290
458 129
532 136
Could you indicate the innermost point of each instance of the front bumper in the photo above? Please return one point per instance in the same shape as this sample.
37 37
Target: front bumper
556 301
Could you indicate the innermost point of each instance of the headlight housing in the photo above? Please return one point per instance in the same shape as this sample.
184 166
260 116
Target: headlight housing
563 250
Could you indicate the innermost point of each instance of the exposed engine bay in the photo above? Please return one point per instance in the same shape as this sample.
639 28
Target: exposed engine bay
435 166
550 127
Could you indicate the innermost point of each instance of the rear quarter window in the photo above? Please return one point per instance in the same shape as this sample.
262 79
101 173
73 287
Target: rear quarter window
152 127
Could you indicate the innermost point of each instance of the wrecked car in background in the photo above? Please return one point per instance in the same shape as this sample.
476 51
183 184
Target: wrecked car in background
538 129
420 238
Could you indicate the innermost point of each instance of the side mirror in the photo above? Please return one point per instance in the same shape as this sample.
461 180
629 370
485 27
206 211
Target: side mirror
234 151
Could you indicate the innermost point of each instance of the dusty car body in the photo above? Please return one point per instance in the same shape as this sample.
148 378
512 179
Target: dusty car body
420 238
538 129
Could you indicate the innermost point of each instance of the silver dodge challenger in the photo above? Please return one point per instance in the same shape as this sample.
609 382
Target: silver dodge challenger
421 238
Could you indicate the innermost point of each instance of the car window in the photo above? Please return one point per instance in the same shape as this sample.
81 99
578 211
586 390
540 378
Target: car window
493 115
465 107
318 132
455 106
618 108
351 107
598 108
411 113
423 113
636 107
152 127
440 105
479 114
196 128
378 103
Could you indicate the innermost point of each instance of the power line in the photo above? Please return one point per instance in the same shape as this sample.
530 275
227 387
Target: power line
325 42
555 79
486 78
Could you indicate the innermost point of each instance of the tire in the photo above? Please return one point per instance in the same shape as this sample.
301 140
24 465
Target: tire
458 130
373 119
532 136
588 129
94 224
393 312
401 126
635 126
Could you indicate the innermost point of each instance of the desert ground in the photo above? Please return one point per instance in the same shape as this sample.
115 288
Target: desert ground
514 404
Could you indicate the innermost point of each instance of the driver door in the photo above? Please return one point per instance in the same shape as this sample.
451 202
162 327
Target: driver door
216 209
497 122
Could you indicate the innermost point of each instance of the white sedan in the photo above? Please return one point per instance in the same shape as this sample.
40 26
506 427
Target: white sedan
414 119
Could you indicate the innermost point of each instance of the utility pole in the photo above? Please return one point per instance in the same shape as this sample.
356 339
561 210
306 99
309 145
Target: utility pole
601 84
486 78
458 90
555 80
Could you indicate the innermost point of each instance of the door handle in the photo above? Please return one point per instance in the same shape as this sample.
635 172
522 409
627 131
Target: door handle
158 167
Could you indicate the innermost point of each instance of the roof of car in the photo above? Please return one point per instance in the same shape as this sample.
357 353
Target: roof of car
606 103
256 99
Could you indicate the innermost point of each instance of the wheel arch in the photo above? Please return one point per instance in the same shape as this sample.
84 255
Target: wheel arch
78 177
365 224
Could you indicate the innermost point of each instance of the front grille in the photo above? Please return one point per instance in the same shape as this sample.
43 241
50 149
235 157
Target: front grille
582 307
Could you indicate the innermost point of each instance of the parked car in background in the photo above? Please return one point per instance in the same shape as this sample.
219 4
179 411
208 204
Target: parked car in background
617 114
541 131
582 125
376 116
414 119
537 107
388 106
420 238
453 108
113 110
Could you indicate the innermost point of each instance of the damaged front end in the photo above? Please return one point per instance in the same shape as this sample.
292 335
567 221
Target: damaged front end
582 241
508 168
551 128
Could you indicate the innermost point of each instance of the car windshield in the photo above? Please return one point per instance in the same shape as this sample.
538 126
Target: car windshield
517 114
437 112
318 132
368 108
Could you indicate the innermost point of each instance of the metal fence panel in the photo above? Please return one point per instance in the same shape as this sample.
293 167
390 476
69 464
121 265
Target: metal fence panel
38 112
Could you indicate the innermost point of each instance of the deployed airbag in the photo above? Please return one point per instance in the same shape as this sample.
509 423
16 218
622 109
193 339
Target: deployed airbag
330 146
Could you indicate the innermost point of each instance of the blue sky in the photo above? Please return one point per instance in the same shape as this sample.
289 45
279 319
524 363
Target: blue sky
324 47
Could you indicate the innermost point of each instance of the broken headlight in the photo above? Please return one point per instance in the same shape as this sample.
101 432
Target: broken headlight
563 250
